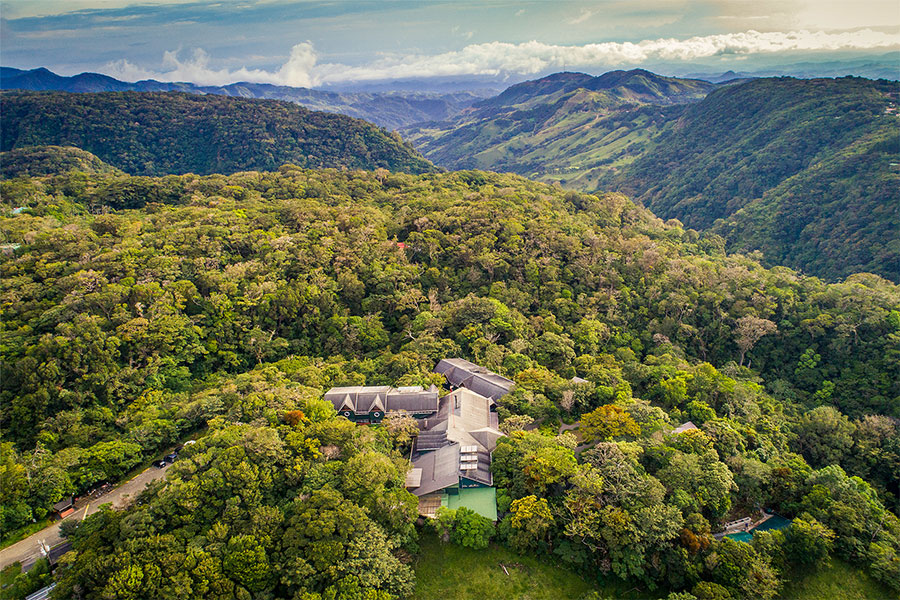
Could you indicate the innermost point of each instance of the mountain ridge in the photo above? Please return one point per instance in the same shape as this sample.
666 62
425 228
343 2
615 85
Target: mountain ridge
156 133
567 122
387 109
702 157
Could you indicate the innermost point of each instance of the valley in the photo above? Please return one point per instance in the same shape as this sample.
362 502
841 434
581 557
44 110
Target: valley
547 344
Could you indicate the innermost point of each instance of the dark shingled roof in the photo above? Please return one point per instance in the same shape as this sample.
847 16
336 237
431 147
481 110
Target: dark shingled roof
431 440
365 399
64 504
462 373
440 469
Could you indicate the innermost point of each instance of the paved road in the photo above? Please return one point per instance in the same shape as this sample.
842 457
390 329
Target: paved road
28 551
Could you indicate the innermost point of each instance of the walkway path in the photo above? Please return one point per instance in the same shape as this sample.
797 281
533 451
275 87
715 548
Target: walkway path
28 551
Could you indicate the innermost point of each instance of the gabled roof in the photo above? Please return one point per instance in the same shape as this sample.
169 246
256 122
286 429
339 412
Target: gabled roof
462 373
487 437
367 399
377 404
465 417
468 411
440 469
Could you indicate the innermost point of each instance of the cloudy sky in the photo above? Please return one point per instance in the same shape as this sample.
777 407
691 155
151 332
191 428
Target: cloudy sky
309 43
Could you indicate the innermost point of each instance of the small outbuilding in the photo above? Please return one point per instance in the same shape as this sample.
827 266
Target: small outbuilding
684 427
64 507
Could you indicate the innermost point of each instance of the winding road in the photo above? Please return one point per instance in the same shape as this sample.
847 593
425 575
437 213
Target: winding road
28 551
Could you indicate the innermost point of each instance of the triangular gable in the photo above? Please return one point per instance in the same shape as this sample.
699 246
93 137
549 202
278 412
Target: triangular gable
347 404
377 404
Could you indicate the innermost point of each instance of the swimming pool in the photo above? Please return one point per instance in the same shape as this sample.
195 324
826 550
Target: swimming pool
775 522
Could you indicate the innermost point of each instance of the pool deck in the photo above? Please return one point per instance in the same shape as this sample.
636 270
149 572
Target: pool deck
744 534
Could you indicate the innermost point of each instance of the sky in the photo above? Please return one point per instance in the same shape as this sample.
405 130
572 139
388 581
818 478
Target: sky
314 43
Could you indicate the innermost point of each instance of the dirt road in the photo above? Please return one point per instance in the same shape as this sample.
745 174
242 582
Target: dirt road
28 551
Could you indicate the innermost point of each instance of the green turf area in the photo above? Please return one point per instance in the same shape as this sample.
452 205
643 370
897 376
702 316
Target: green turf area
481 500
451 572
839 580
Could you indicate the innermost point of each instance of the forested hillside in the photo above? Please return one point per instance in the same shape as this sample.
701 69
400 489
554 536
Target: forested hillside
163 133
812 163
138 310
34 161
390 109
559 127
838 217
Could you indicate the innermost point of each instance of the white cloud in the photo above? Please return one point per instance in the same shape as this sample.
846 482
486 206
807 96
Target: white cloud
533 57
584 16
493 58
297 71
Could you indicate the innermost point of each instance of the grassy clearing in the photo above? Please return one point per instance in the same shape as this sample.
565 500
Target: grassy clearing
450 572
838 580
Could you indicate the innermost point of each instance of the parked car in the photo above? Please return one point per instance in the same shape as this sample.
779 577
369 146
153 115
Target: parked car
159 464
171 457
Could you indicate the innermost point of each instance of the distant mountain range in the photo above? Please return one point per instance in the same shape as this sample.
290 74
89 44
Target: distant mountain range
155 133
803 170
560 127
390 109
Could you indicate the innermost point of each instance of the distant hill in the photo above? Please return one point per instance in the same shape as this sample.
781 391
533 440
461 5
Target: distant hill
812 162
558 127
387 109
805 171
163 133
37 161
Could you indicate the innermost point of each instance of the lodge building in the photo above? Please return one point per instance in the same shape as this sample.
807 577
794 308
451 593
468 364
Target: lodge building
368 404
451 457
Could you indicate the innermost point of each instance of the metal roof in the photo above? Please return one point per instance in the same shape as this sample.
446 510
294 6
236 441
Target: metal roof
468 412
440 469
42 593
462 373
365 399
63 504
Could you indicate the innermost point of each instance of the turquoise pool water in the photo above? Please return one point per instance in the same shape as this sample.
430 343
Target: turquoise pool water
776 522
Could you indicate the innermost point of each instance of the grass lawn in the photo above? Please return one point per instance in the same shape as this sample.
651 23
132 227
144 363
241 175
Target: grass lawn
450 572
839 580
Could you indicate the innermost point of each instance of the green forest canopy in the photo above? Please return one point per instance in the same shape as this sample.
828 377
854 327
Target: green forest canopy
138 310
804 171
158 133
